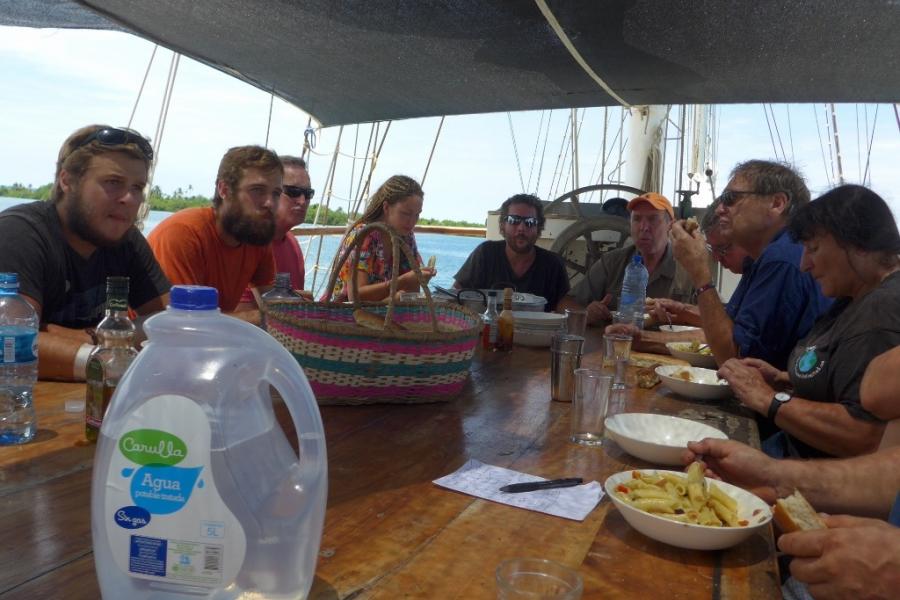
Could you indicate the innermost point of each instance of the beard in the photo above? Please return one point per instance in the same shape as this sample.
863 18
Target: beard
77 219
246 229
520 245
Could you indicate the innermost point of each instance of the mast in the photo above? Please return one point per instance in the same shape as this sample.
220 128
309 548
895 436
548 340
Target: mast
643 163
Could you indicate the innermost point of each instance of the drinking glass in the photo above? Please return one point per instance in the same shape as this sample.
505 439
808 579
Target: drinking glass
576 321
589 406
534 578
616 351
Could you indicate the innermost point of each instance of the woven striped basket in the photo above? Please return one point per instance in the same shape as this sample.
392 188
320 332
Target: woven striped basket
349 364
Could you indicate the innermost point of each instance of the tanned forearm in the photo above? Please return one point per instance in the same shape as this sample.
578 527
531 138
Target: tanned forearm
864 485
717 326
56 353
829 427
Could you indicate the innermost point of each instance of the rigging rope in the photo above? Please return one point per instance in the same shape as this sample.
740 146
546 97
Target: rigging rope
871 141
431 154
269 123
558 159
829 138
564 38
512 134
537 142
769 126
821 144
777 132
537 184
141 90
790 132
329 178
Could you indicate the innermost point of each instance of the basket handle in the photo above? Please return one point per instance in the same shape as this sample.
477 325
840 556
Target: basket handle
397 244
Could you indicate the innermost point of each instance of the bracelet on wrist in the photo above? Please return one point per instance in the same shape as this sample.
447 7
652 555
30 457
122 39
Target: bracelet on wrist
705 287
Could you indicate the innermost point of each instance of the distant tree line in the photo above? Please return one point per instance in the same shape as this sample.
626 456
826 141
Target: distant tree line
180 199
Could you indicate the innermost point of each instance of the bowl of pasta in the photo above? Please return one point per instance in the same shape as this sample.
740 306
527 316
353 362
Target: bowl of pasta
687 510
659 439
696 353
694 382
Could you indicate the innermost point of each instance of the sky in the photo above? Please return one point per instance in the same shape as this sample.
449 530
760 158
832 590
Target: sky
58 80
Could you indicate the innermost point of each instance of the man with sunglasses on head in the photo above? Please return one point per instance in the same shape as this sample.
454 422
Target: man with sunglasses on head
516 261
780 303
64 249
227 245
651 217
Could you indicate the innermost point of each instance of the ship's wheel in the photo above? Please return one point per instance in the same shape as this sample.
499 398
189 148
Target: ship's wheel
582 243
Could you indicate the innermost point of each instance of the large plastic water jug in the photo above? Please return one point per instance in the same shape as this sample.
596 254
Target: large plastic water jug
197 492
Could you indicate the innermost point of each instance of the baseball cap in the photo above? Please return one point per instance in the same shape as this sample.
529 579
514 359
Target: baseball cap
657 201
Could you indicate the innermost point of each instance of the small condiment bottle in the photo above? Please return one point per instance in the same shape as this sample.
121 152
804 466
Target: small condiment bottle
506 323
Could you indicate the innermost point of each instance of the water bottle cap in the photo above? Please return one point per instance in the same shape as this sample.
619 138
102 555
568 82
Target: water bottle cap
193 297
637 259
9 283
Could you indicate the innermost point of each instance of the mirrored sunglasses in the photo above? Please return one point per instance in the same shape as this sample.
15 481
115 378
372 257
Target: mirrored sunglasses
294 191
109 136
516 219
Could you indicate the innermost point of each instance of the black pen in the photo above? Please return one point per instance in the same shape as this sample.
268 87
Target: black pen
532 486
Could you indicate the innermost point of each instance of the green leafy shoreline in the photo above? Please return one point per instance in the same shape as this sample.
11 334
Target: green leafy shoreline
180 199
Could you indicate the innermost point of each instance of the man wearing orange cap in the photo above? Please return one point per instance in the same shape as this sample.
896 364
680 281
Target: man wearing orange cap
651 217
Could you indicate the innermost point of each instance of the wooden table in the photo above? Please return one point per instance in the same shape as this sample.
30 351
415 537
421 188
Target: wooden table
390 532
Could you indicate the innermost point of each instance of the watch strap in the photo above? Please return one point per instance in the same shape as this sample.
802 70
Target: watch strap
775 405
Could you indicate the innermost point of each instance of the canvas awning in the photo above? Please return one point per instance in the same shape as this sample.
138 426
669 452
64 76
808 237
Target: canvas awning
349 61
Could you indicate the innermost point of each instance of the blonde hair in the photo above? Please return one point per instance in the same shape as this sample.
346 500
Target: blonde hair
394 190
74 158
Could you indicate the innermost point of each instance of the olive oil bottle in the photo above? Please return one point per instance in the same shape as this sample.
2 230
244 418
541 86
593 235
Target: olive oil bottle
110 358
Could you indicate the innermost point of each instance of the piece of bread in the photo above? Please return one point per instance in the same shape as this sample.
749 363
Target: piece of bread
370 320
647 377
794 513
691 225
644 359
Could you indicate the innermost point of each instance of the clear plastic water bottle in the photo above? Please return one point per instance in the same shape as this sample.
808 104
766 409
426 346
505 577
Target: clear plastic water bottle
282 290
18 363
197 492
634 292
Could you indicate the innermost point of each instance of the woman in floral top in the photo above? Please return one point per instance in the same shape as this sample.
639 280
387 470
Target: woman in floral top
397 204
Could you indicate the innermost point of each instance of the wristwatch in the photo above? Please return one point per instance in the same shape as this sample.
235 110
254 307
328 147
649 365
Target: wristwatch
778 400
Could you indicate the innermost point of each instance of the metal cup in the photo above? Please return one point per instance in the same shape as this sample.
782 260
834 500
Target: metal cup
565 357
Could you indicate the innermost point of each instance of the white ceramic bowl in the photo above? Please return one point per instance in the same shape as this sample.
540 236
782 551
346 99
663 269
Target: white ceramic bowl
674 328
704 385
682 350
539 320
659 439
688 535
533 338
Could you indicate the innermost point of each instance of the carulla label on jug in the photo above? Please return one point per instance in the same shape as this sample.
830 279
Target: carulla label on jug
196 490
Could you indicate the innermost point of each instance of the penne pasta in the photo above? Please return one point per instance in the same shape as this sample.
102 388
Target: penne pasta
686 499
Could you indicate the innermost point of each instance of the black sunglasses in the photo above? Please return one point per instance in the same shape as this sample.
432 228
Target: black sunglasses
295 191
729 198
516 219
119 137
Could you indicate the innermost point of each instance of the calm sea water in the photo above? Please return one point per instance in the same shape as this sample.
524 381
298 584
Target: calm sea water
451 250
